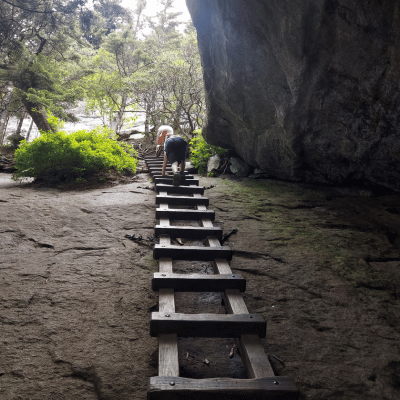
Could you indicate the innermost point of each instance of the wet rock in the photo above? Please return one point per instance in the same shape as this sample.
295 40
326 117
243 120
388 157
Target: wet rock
238 167
306 90
190 168
258 174
7 164
213 163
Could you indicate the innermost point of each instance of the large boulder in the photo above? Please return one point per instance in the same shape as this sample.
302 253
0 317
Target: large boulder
304 90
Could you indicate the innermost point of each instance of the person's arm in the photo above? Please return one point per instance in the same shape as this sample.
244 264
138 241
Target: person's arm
164 164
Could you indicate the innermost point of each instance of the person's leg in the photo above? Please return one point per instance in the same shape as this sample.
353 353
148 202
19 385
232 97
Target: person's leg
176 150
182 169
174 167
175 171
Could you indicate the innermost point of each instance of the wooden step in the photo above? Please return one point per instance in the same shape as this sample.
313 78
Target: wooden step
198 282
184 182
187 176
154 157
188 232
158 171
162 187
207 325
191 253
185 214
177 388
154 170
157 165
182 200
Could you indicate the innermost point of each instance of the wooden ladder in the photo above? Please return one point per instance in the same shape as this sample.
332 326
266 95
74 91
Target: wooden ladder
238 323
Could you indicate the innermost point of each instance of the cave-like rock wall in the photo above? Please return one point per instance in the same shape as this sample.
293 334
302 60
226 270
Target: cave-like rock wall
306 90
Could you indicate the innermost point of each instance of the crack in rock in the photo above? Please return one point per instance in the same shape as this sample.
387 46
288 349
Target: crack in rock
39 244
253 255
83 249
89 374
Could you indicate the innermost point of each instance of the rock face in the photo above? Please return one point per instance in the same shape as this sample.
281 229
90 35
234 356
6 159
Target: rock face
304 90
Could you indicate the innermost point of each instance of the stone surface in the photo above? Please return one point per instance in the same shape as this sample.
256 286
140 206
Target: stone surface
304 90
322 266
238 167
213 163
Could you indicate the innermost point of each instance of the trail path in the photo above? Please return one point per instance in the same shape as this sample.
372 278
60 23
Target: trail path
322 266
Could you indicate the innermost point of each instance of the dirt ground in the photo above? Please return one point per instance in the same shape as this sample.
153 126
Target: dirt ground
322 266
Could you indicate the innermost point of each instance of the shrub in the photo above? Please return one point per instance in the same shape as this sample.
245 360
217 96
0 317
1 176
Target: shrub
55 122
15 140
201 151
61 157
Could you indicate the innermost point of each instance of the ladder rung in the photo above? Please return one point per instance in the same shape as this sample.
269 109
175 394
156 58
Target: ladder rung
188 232
179 189
184 182
182 200
198 282
185 214
154 170
167 387
207 325
191 253
187 176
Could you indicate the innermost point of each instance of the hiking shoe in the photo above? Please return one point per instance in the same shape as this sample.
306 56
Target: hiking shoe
182 175
176 180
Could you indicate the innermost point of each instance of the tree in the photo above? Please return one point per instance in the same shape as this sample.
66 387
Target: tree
172 90
6 94
164 33
158 72
109 89
103 19
32 31
41 42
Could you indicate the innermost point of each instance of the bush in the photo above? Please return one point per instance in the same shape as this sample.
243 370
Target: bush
61 157
15 140
201 151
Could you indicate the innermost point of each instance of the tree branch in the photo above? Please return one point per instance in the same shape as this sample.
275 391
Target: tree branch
27 9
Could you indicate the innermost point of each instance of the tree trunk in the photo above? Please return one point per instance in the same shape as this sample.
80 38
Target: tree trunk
4 112
21 120
176 119
29 131
3 134
119 119
146 121
38 115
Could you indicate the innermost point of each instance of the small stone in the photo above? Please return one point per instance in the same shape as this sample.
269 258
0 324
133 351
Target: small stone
213 163
239 168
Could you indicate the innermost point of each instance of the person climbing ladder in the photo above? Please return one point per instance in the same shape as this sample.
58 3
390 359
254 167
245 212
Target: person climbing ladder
174 147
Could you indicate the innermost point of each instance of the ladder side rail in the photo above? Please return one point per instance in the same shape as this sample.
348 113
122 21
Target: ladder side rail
250 346
168 363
